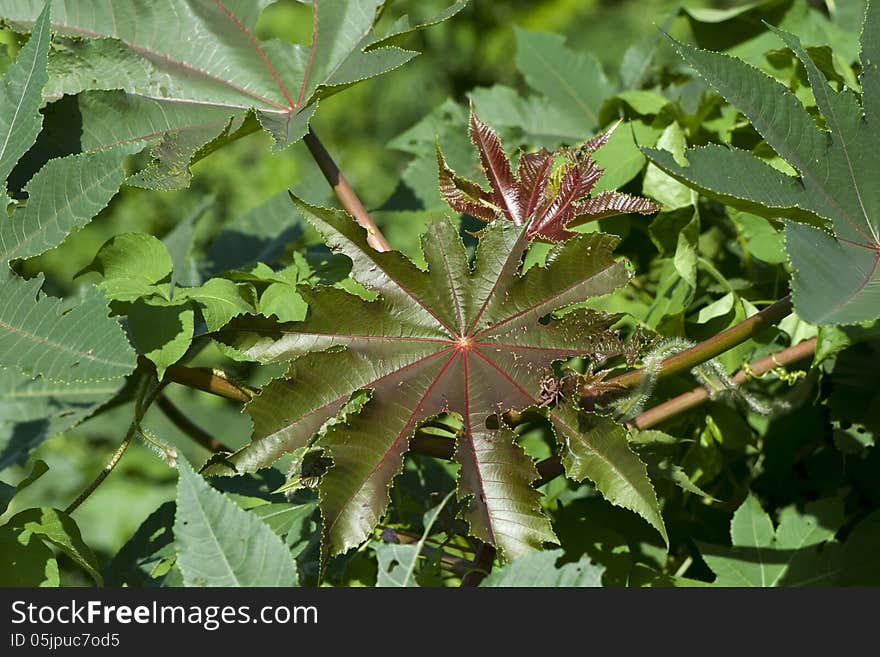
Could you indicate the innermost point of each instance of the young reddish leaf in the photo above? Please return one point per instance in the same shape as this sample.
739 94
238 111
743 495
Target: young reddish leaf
533 172
609 204
579 179
464 195
528 198
497 169
451 338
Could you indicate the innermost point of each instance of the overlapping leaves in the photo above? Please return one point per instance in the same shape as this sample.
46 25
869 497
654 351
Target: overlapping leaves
189 72
836 276
452 338
532 197
38 335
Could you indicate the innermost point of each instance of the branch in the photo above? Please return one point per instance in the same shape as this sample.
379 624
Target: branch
145 396
551 467
483 560
700 353
699 395
188 427
344 192
206 379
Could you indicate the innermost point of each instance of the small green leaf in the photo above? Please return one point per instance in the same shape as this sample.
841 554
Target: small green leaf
540 570
283 301
397 563
670 193
29 563
762 240
60 530
7 492
162 330
799 552
219 300
131 264
220 544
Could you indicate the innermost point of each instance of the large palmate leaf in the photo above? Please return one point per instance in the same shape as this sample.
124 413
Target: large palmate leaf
189 72
453 338
530 196
836 276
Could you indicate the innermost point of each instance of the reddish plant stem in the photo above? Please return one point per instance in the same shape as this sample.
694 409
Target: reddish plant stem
200 378
700 353
699 395
550 468
484 557
344 192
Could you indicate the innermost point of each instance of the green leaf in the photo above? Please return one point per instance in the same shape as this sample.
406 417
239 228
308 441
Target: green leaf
621 157
39 338
21 96
130 265
860 565
761 239
220 544
670 193
572 81
596 448
452 338
397 563
33 409
219 300
7 492
59 529
63 196
31 563
283 301
799 552
147 72
147 557
539 570
285 519
162 330
837 278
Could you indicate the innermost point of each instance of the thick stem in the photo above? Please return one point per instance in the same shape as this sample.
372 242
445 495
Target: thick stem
550 468
344 192
483 560
201 378
699 395
700 353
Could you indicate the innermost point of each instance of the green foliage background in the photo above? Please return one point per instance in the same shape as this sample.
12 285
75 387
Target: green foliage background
788 462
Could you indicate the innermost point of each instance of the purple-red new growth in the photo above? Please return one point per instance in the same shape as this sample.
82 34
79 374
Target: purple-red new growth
529 197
